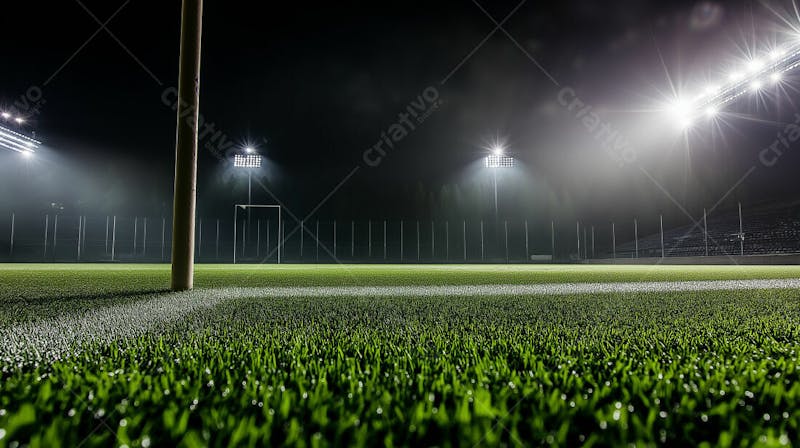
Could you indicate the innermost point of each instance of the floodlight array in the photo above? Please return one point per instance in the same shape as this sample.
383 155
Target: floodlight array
760 72
247 161
499 161
17 142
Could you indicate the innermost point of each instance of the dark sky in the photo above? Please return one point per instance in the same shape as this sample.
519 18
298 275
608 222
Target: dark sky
314 86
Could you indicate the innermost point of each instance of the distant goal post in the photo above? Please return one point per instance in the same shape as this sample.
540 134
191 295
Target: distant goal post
245 207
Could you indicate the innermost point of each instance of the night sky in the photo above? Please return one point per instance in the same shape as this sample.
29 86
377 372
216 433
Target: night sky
315 86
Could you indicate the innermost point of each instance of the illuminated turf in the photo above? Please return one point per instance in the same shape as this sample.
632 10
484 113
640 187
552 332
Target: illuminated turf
228 365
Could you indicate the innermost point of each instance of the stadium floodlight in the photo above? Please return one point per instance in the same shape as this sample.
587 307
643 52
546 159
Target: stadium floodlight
497 159
247 161
754 76
6 115
14 141
19 120
755 65
250 161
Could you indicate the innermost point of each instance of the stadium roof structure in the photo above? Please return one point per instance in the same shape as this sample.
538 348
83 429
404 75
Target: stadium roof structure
17 142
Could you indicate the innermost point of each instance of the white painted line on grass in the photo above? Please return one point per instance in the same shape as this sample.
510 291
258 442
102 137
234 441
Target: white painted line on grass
51 339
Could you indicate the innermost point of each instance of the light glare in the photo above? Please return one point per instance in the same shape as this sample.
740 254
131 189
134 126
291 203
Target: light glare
755 65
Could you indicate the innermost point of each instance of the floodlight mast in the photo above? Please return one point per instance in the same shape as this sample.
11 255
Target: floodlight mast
185 196
497 159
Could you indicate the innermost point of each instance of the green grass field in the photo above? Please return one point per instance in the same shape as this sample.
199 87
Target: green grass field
223 366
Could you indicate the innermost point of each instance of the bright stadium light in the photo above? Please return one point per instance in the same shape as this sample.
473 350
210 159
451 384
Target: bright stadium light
756 73
6 115
755 65
19 120
247 161
776 54
14 141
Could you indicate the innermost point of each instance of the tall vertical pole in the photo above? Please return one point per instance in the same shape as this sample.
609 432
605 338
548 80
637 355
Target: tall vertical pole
163 236
482 248
11 240
527 245
385 253
216 244
106 234
83 237
80 228
741 232
281 228
578 237
505 227
135 233
494 179
552 240
593 254
144 238
302 237
249 202
334 238
55 235
636 235
267 236
114 238
705 230
46 229
614 239
661 225
369 238
235 210
317 239
352 239
186 146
